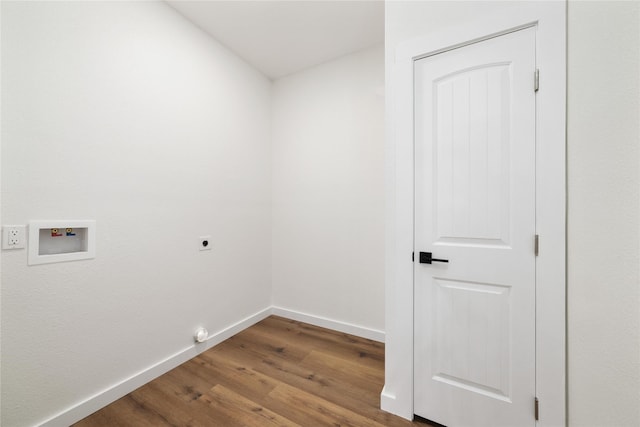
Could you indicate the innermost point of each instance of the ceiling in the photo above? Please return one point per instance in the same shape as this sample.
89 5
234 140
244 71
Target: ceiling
283 37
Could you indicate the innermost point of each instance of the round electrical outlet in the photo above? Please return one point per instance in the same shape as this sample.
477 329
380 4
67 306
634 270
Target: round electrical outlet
205 243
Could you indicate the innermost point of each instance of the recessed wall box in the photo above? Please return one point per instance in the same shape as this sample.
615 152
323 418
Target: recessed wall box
59 241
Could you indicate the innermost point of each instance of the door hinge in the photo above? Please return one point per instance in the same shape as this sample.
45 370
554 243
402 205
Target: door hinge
413 254
536 245
537 409
536 80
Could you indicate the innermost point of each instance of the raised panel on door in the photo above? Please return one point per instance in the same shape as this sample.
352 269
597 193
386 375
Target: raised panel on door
471 137
474 344
472 319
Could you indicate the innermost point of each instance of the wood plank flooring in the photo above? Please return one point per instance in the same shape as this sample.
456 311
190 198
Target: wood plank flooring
278 372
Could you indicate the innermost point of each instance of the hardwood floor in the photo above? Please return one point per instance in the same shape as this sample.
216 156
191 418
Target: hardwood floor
278 372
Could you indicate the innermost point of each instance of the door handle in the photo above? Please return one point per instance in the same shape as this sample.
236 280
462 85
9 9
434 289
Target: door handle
426 258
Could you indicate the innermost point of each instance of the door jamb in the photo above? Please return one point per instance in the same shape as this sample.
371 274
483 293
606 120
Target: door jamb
549 18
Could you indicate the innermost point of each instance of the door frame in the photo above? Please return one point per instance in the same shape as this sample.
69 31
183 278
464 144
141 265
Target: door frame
549 19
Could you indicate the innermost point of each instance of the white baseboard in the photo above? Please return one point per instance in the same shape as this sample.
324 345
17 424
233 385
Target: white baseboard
107 396
323 322
389 403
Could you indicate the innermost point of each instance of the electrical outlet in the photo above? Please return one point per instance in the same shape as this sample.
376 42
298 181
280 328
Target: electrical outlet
205 243
14 237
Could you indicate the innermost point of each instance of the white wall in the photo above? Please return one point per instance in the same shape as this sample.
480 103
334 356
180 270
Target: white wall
603 183
603 213
125 113
328 196
0 218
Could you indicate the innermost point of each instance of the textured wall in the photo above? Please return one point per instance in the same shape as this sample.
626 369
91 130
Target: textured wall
125 113
328 190
603 213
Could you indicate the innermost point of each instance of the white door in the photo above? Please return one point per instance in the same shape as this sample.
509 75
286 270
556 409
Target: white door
474 361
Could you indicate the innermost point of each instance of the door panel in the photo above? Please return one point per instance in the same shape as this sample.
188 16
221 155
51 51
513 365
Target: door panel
472 319
474 361
471 142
